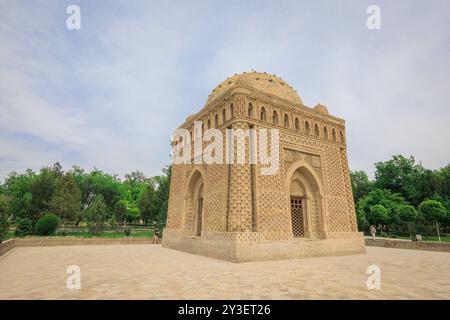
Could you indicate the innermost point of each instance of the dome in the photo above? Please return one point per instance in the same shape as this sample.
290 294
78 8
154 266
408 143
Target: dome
265 82
321 108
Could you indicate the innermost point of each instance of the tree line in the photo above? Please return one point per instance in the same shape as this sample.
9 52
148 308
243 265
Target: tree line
76 197
403 197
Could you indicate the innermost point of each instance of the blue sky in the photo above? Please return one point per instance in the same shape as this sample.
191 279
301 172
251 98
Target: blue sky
110 94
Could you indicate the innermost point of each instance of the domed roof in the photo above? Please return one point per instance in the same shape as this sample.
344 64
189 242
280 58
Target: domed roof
265 82
321 108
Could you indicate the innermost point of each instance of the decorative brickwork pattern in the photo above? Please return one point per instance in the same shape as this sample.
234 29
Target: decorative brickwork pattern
241 211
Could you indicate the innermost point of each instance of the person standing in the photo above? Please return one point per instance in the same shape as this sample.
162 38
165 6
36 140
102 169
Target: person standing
373 231
156 235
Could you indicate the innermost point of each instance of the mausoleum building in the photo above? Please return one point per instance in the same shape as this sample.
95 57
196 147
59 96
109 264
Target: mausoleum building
234 211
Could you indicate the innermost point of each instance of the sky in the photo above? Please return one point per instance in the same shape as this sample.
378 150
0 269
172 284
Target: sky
110 94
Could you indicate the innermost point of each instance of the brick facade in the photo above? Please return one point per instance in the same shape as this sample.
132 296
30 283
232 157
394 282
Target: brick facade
245 215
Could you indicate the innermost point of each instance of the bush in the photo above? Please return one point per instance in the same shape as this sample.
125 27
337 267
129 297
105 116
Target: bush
47 225
24 227
127 231
4 226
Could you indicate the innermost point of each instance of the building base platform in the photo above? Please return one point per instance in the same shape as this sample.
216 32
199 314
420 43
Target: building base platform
254 246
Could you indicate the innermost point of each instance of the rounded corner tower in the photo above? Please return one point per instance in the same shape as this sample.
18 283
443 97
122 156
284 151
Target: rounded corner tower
233 211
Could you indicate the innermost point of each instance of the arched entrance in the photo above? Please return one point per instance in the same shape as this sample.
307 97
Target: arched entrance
305 203
194 205
198 198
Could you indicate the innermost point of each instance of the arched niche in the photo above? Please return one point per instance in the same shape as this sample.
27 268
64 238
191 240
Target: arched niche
193 216
305 201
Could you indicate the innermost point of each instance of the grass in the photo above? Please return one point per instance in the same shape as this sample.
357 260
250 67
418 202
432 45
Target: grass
9 235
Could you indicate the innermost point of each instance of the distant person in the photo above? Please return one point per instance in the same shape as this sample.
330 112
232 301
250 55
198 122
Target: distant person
373 231
156 235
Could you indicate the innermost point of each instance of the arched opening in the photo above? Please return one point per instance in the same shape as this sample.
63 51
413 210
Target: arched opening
275 117
198 197
305 202
325 132
216 121
224 116
341 136
333 134
286 121
250 110
193 221
209 124
263 116
307 129
296 124
316 130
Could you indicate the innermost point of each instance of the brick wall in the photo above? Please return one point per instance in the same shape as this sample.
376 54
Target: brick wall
407 244
6 246
67 241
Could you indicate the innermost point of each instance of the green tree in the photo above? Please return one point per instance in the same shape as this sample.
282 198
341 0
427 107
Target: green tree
134 184
406 177
133 215
361 220
361 185
443 182
66 201
433 211
96 215
147 204
407 214
391 201
377 214
120 211
18 190
98 183
42 189
162 195
4 225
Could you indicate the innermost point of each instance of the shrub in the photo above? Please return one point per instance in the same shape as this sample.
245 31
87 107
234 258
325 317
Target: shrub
4 226
47 224
24 227
112 222
127 231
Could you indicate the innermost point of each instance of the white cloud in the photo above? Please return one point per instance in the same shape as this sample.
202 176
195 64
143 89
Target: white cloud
110 94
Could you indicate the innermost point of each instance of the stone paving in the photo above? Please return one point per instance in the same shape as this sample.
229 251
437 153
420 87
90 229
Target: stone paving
152 272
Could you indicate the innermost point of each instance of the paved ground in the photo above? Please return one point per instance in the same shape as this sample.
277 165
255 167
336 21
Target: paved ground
153 272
